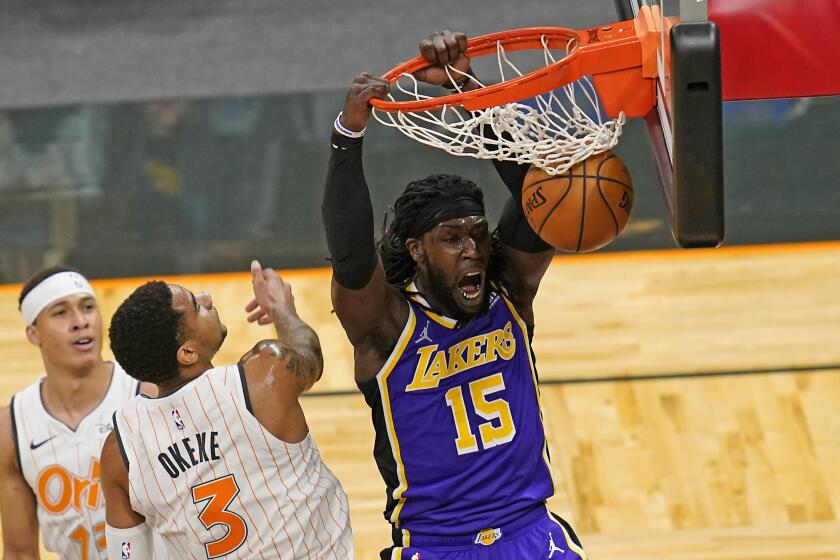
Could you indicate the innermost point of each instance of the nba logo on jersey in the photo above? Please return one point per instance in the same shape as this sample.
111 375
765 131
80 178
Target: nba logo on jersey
125 551
177 417
415 556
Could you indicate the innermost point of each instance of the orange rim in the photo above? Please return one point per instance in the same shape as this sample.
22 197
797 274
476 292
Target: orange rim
609 49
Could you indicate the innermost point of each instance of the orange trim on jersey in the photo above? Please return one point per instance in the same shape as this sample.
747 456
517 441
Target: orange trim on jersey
161 446
382 381
22 419
297 484
259 465
224 458
283 482
242 463
143 478
152 504
152 470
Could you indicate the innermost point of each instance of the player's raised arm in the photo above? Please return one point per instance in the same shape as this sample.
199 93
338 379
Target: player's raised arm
207 429
17 503
526 255
370 310
297 343
278 371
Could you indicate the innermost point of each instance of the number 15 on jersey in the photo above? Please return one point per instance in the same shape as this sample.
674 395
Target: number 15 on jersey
498 428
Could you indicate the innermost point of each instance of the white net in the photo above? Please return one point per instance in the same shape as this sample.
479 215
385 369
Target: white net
554 130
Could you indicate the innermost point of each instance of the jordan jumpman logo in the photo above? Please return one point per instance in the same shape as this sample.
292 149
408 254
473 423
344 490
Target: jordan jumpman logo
424 334
552 548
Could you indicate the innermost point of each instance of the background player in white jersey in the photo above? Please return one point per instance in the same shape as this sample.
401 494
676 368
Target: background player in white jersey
221 464
52 433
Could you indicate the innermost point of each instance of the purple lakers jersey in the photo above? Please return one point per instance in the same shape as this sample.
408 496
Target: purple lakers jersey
459 434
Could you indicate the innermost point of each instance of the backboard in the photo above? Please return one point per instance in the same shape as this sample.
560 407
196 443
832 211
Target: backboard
685 128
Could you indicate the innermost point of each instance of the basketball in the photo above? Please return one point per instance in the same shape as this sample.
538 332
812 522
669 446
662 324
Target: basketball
581 210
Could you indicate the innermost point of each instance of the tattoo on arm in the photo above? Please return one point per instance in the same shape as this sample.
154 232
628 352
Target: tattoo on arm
301 344
304 362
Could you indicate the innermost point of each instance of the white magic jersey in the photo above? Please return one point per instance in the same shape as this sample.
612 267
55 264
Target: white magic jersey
62 467
215 483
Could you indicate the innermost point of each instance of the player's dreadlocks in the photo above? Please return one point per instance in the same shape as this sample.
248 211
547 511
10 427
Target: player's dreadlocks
410 208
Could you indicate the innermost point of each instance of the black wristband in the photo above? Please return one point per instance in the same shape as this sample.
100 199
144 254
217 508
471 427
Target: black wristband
455 86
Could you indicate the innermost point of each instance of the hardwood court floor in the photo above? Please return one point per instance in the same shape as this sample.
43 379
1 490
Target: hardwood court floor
689 397
729 468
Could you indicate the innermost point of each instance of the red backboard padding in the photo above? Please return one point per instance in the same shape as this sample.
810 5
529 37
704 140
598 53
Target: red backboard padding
778 48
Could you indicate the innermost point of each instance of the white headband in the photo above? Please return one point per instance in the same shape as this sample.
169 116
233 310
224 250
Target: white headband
54 287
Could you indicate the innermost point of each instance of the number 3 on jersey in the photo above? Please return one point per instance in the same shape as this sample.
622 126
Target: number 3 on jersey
219 493
496 409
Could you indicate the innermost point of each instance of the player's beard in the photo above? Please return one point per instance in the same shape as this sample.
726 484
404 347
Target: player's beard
443 295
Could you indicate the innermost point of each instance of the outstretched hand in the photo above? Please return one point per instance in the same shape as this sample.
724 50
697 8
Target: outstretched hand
442 49
357 110
272 296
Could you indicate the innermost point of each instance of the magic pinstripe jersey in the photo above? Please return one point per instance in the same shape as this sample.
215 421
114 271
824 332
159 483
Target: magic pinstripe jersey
215 483
459 434
62 467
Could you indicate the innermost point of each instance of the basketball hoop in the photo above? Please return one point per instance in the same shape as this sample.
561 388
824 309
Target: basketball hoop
553 117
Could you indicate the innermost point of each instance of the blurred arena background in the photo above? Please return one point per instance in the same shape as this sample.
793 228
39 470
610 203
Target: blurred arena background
690 396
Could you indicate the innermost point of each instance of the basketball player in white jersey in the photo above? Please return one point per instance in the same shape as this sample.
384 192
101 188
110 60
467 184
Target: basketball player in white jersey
52 433
221 463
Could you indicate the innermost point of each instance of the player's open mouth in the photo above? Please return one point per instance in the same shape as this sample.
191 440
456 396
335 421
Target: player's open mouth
83 343
470 286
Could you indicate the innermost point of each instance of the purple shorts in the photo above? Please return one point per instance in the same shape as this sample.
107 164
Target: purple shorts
543 538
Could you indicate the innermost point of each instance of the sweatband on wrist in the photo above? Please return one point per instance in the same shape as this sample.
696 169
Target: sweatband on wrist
134 542
344 131
51 289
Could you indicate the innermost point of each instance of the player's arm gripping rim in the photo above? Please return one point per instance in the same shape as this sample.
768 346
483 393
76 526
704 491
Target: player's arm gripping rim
370 310
17 502
526 255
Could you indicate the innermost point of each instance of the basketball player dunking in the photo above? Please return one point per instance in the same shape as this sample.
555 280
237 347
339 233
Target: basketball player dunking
221 464
441 321
52 433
